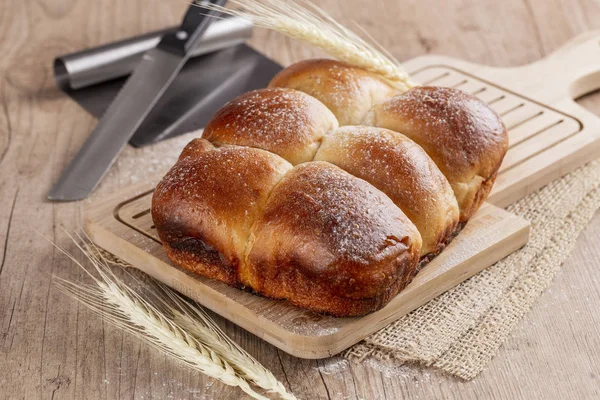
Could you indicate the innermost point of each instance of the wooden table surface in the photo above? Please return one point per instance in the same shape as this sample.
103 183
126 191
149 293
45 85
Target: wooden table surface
52 349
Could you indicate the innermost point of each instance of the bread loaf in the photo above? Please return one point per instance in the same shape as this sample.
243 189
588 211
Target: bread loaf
278 199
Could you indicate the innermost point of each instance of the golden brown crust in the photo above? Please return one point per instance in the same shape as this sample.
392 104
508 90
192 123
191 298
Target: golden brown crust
206 204
332 242
464 137
286 122
349 92
402 170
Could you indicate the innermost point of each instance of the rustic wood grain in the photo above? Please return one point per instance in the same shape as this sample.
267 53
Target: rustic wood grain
52 349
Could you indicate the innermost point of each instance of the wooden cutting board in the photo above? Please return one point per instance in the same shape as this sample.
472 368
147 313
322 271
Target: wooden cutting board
122 224
549 136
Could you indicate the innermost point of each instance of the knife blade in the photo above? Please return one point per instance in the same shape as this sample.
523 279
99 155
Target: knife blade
143 89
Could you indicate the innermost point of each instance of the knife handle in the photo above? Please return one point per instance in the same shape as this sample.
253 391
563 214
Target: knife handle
195 22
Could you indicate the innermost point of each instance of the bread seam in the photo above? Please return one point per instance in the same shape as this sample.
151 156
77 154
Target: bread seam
247 247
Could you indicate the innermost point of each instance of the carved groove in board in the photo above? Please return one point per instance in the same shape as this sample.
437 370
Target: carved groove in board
507 103
471 86
496 99
449 80
141 214
530 148
435 78
525 120
478 91
490 94
521 115
510 110
534 128
460 84
135 213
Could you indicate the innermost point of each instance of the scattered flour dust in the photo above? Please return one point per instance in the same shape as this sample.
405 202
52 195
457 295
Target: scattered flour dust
332 366
200 393
388 369
143 164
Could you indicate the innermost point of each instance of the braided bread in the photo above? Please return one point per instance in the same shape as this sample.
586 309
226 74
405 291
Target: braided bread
278 198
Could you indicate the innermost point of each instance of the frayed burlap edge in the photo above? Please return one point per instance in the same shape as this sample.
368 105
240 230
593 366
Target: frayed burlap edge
460 331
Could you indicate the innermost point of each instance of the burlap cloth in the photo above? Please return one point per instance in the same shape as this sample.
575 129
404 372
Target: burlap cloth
461 330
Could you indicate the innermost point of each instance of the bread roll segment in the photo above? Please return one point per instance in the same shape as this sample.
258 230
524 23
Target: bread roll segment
286 122
349 92
401 169
206 204
331 242
464 137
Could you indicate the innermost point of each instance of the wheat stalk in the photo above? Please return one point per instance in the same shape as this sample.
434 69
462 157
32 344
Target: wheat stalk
209 352
197 322
302 20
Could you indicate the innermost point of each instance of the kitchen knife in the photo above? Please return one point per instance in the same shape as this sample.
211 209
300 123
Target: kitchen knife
143 89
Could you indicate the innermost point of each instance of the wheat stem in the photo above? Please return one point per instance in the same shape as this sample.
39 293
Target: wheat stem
197 322
171 324
305 21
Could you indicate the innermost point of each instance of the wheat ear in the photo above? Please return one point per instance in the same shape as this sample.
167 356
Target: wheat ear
199 324
196 322
123 307
302 20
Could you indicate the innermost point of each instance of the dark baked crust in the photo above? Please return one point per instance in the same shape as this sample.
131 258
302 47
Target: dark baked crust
317 296
464 137
206 204
332 242
349 92
283 121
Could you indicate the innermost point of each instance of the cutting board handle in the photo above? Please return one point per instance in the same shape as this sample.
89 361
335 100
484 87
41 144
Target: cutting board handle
575 67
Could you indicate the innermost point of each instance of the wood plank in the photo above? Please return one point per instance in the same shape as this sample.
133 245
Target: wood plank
560 334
